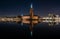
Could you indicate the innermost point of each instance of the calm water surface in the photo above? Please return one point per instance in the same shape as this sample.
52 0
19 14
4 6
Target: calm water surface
39 31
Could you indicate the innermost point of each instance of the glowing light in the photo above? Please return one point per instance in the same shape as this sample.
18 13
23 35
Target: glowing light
31 33
22 23
21 14
31 6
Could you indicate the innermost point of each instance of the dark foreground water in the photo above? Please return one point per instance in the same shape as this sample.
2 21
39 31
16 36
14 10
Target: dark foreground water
13 30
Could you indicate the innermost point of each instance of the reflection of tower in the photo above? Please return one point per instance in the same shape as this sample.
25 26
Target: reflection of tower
31 11
31 18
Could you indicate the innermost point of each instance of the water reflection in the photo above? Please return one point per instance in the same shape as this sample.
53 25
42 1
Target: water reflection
39 30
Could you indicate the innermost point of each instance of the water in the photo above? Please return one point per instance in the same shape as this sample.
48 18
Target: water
39 31
31 33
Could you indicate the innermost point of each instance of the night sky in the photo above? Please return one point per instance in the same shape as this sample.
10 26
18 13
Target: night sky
18 7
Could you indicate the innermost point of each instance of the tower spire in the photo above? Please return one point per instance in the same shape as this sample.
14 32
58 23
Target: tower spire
31 5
